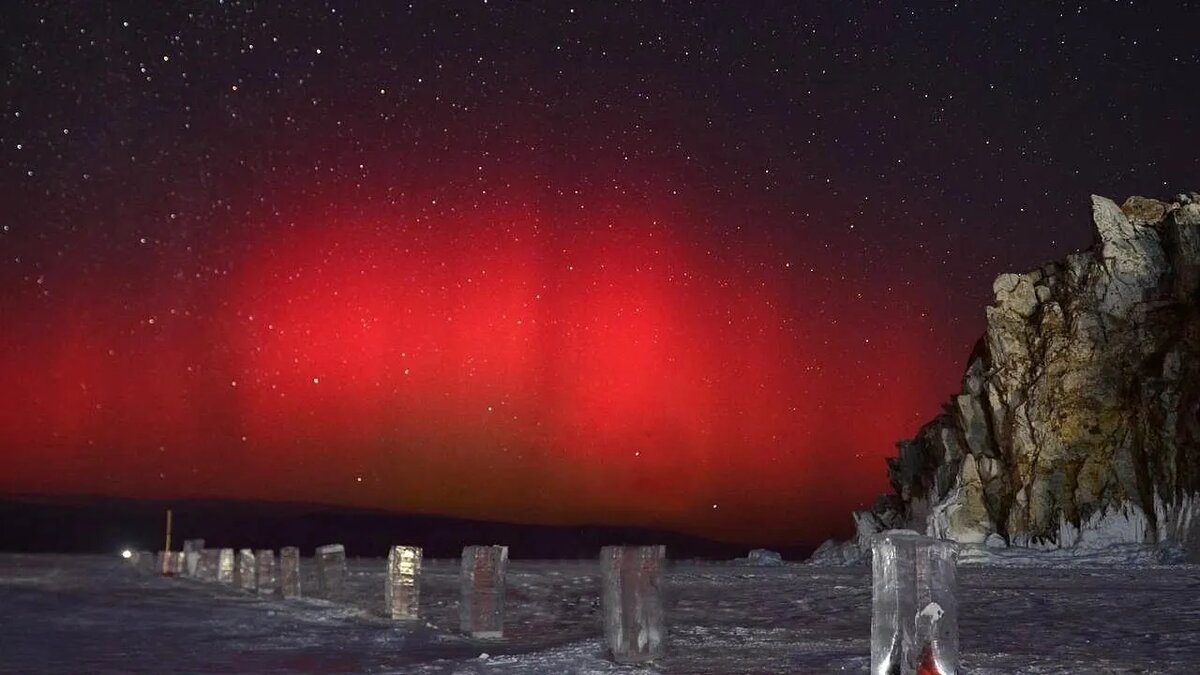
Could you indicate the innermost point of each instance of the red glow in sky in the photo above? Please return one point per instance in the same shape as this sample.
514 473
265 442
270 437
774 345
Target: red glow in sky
513 364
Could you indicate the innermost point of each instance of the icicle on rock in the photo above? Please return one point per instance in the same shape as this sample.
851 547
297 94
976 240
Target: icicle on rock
402 589
264 572
481 612
631 602
244 577
331 571
914 614
289 572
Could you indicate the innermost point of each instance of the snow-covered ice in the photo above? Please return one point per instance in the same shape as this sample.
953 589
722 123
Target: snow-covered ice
76 614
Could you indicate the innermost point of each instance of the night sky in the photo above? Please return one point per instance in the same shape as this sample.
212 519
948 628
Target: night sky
681 265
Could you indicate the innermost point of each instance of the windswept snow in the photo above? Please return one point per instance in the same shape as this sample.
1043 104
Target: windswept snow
66 614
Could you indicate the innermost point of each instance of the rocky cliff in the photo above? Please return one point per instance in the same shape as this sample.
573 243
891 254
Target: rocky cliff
1078 421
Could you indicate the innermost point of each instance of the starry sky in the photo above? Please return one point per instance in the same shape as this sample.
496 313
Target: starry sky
684 265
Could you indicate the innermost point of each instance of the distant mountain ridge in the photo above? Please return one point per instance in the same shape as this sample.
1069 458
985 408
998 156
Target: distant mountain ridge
92 524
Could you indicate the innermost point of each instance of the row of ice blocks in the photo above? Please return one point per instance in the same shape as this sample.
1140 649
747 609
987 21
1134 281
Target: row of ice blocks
914 619
253 571
630 598
914 627
481 610
246 569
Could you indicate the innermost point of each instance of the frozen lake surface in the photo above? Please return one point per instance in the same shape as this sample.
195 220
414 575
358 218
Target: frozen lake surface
77 614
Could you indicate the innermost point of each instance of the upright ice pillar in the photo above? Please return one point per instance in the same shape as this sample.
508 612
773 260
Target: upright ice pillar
481 609
244 575
192 549
402 590
914 613
145 561
631 602
209 564
289 572
331 571
264 571
169 563
225 562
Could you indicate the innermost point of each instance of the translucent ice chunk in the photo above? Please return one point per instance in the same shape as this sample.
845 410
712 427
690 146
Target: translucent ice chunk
192 549
331 571
225 566
264 572
402 590
631 602
481 612
209 564
244 573
914 616
289 572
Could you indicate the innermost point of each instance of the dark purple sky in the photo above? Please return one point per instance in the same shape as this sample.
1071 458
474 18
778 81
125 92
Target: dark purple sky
677 264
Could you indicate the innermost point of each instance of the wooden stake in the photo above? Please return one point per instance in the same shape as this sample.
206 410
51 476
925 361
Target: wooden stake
167 548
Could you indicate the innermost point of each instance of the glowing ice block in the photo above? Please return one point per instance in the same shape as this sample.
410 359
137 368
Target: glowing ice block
264 572
289 572
481 608
402 589
244 572
914 612
225 566
331 571
631 602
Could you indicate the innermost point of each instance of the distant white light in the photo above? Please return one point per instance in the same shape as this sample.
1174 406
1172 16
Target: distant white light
127 554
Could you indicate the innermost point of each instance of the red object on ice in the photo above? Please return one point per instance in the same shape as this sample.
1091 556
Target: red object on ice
927 666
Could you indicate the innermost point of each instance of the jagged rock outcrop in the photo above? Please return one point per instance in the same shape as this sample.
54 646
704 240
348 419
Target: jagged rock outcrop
1078 421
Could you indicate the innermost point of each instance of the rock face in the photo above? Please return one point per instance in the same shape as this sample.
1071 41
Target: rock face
1078 421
